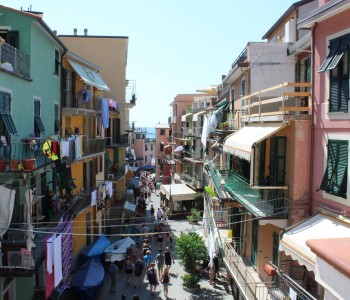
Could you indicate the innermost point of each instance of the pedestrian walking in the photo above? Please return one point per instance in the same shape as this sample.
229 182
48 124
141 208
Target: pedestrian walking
138 272
160 237
159 215
113 271
167 258
152 277
130 252
136 253
165 279
123 297
160 261
147 259
216 264
128 268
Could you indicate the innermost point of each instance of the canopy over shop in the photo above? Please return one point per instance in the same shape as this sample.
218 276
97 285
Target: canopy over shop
178 197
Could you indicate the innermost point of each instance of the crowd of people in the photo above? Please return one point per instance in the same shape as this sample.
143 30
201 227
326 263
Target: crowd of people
153 264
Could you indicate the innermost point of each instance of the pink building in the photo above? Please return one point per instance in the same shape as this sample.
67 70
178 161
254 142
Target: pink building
319 243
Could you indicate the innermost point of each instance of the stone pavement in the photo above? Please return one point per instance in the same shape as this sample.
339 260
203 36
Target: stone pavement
176 291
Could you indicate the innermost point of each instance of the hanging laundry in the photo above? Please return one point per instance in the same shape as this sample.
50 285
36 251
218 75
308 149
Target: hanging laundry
6 208
48 150
104 113
93 198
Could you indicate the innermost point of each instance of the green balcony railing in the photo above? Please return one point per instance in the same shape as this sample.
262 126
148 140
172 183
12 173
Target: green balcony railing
260 202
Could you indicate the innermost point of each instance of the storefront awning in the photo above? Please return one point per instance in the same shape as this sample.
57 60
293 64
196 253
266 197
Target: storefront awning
178 192
241 142
320 226
89 76
183 118
195 116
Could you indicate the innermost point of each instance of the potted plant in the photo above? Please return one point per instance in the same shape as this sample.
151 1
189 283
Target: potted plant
223 126
28 164
191 250
194 217
14 163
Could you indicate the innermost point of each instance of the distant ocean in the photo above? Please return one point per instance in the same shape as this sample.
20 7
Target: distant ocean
150 132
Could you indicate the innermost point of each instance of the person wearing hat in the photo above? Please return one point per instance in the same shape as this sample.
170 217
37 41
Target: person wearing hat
138 272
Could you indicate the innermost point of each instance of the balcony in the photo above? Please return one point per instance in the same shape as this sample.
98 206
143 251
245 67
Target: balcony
269 201
117 141
72 100
93 146
197 132
278 103
244 274
24 155
188 131
14 61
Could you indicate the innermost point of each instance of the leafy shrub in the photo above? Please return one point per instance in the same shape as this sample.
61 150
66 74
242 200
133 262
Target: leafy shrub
190 280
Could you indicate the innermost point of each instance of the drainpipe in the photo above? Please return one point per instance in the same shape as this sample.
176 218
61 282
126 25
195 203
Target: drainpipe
312 114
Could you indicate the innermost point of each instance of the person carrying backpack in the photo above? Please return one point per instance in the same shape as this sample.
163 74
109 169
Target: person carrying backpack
152 277
138 272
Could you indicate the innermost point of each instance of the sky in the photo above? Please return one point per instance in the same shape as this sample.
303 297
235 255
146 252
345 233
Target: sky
175 46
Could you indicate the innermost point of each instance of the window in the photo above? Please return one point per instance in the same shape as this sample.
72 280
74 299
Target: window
162 132
38 124
6 124
243 88
145 158
161 146
57 62
146 147
335 177
151 147
58 127
337 62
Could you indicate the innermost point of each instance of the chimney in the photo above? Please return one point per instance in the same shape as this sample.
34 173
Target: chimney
75 31
85 31
54 32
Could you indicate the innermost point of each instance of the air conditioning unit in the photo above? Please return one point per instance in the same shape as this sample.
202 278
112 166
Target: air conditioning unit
110 176
20 259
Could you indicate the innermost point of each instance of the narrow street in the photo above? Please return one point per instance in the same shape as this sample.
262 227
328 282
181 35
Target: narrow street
175 287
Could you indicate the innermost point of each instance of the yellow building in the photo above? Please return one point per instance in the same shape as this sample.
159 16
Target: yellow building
82 101
110 53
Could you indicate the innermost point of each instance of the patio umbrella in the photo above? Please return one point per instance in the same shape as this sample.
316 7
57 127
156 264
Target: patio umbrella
210 90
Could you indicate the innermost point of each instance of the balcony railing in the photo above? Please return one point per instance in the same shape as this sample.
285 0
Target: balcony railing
14 60
187 131
283 100
260 202
244 274
116 172
72 99
197 131
93 146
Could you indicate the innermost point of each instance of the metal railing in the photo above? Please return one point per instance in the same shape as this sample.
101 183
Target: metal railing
244 274
14 60
93 146
73 99
260 202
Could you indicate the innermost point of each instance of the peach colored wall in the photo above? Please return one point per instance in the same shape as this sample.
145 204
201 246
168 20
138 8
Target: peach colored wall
323 124
109 53
265 243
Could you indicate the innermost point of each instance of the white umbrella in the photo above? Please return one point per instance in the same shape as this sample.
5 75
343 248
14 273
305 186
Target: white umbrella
179 148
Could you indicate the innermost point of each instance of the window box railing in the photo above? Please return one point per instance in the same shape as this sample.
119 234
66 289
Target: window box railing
14 60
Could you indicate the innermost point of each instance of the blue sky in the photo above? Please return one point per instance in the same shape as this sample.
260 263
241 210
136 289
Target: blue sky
175 47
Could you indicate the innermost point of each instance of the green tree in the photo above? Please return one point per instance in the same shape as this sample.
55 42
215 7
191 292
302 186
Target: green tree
191 250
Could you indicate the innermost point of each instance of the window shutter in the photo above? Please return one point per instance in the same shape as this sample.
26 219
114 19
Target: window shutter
334 44
343 46
341 176
344 94
334 94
